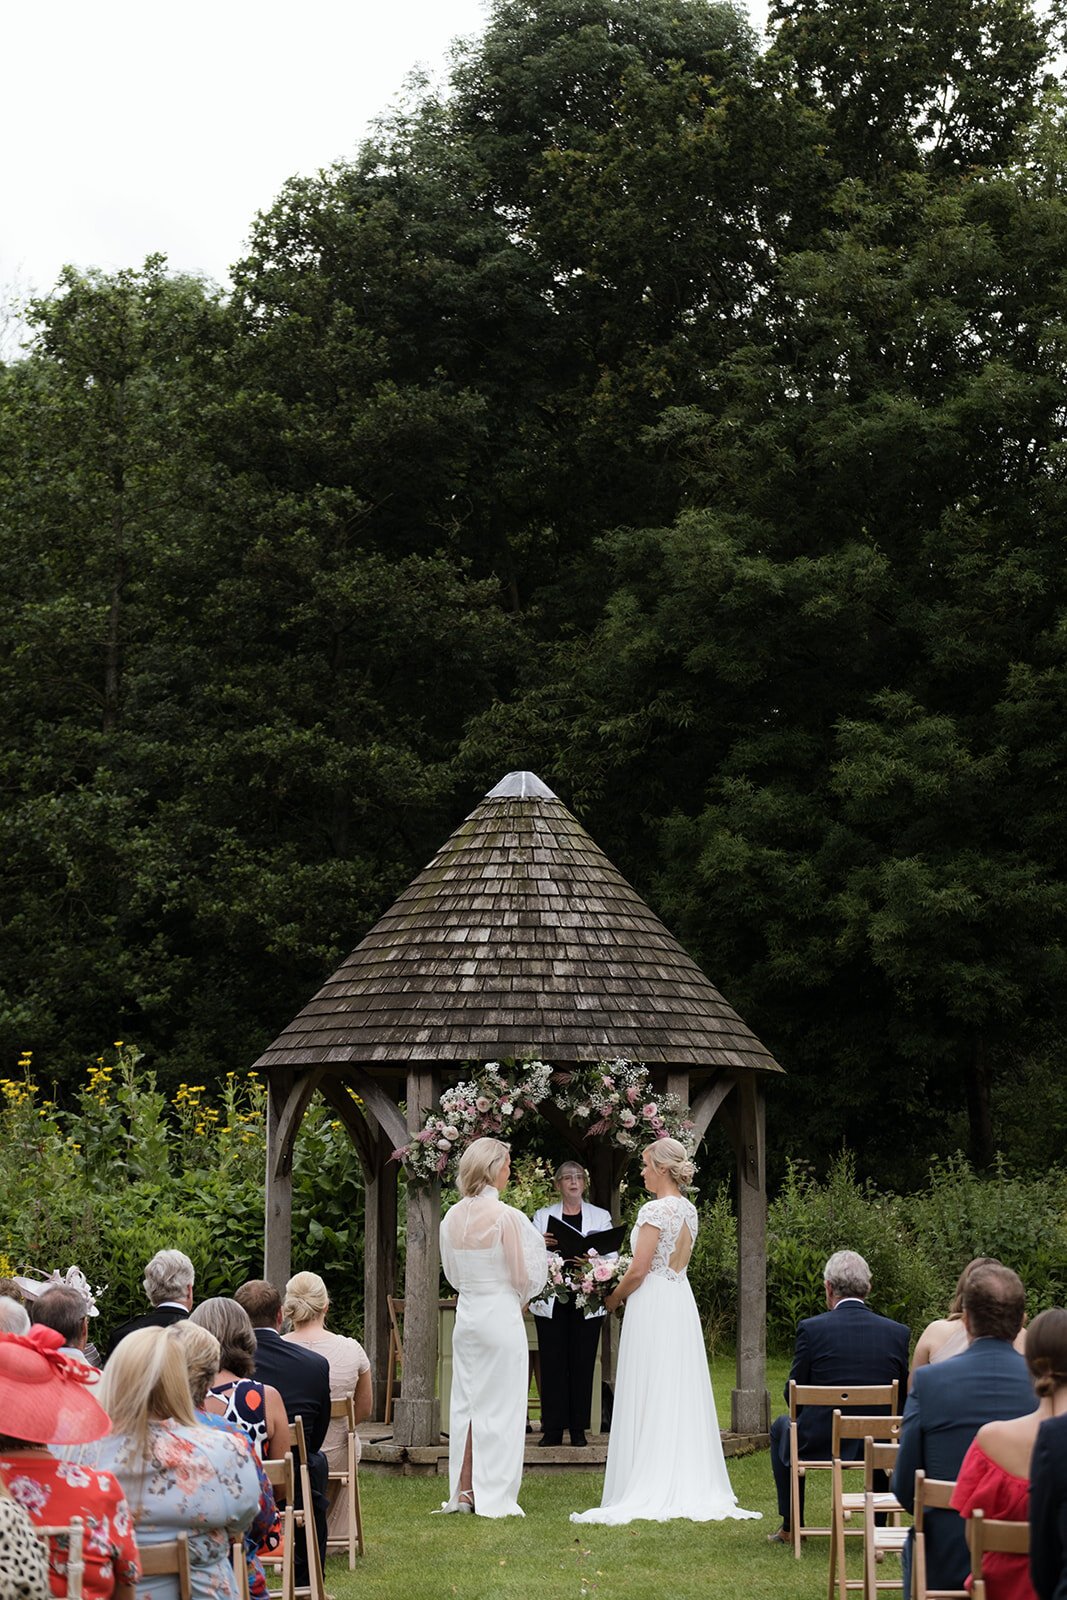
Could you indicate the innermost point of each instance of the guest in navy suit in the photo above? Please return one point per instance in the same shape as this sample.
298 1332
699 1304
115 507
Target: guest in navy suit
848 1343
1048 1510
950 1401
168 1283
302 1378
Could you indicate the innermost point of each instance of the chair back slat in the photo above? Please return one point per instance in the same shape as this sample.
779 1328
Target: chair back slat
169 1559
73 1532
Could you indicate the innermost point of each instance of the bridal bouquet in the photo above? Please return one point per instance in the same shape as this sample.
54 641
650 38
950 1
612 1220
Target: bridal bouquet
590 1280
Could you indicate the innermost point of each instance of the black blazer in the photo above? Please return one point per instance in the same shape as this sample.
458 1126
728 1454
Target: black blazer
1048 1510
850 1344
301 1377
161 1317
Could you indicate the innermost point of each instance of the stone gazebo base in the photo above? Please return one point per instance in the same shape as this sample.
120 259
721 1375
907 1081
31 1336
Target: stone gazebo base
381 1454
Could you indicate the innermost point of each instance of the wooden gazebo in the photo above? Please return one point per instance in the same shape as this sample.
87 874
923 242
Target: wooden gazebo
519 938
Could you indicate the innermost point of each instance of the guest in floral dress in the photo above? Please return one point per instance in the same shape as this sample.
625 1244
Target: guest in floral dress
179 1477
45 1399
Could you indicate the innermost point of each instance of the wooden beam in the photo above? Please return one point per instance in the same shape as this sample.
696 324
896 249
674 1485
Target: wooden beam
362 1136
704 1108
417 1414
278 1183
382 1107
379 1262
746 1121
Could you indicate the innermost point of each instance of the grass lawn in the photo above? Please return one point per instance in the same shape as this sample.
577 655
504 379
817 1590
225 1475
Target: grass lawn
546 1557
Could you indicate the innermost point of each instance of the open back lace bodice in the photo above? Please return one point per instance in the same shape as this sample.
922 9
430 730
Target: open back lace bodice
669 1214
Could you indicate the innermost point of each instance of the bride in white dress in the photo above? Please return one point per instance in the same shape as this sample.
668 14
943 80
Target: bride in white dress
496 1260
665 1456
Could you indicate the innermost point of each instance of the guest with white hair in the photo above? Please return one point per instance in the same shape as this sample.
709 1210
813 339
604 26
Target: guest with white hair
848 1343
14 1318
168 1283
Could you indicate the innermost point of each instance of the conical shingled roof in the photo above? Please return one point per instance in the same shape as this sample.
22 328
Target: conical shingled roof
520 937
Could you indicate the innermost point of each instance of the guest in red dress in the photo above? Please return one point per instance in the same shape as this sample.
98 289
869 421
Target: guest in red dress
45 1399
995 1475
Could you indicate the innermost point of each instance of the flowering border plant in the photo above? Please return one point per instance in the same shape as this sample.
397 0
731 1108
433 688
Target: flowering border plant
616 1099
588 1281
490 1103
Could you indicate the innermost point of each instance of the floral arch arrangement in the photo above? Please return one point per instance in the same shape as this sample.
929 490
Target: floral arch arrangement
608 1099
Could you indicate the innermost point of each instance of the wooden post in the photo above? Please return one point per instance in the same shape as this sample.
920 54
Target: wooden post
278 1196
379 1262
417 1414
746 1120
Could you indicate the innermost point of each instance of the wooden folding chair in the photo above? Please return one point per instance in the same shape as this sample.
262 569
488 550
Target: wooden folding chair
240 1568
986 1534
855 1397
280 1474
167 1561
878 1542
844 1504
931 1494
347 1481
304 1516
394 1366
73 1533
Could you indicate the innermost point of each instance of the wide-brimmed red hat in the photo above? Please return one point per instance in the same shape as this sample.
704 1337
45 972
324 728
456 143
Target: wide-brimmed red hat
44 1397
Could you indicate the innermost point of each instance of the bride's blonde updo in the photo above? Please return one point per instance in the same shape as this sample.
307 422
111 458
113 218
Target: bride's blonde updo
479 1165
1046 1351
669 1156
305 1298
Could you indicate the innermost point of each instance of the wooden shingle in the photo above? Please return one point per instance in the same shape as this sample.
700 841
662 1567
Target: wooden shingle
519 938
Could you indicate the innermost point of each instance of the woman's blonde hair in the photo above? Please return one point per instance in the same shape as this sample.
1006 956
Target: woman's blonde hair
305 1298
146 1380
479 1165
669 1156
203 1357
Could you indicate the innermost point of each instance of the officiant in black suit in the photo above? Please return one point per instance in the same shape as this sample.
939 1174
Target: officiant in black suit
566 1337
302 1378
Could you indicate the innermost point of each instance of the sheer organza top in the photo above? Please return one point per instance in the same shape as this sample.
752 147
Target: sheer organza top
669 1214
487 1246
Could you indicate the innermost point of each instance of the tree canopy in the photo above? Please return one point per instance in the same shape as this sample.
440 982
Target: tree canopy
678 416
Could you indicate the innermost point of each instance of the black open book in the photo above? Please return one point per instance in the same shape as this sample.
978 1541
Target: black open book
570 1241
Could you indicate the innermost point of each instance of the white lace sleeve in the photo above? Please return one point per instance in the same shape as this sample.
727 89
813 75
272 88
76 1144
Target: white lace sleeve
524 1252
657 1213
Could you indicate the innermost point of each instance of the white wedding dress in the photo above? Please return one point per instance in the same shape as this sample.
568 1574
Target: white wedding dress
496 1260
665 1456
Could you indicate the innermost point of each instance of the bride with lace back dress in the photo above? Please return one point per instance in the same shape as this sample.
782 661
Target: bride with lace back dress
665 1456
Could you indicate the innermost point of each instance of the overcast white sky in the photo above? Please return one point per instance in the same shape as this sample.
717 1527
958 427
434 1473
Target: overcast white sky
130 126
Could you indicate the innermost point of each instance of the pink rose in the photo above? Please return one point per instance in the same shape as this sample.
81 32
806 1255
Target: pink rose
444 1144
603 1271
482 1103
627 1119
650 1111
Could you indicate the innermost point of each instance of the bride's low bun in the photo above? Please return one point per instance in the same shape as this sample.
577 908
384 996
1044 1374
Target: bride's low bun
670 1156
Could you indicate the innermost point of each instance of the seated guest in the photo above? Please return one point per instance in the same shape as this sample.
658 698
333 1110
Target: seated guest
23 1563
202 1350
946 1337
46 1400
995 1475
847 1343
179 1477
305 1306
1048 1510
302 1378
32 1288
950 1401
255 1407
14 1318
65 1311
168 1283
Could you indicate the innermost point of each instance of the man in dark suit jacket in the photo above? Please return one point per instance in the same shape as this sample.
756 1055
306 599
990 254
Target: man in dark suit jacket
302 1378
1048 1510
847 1343
168 1283
950 1400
